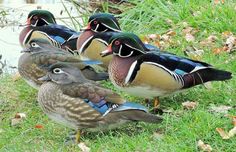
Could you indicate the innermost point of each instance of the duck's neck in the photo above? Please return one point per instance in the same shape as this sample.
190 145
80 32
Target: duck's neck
119 68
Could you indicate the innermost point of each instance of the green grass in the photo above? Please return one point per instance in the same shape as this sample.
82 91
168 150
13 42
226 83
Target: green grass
181 129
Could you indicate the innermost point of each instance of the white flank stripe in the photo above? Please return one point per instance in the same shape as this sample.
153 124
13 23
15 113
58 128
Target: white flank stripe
131 70
26 37
83 45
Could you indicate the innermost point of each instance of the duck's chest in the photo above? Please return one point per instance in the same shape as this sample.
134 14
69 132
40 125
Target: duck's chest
119 69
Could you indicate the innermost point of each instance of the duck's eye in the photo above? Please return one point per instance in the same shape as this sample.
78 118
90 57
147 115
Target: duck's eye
117 42
95 22
35 17
33 44
57 71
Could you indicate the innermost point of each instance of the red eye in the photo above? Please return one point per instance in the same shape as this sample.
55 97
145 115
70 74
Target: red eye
95 22
117 42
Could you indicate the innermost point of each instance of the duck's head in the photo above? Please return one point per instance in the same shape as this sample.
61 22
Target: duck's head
40 18
103 22
125 45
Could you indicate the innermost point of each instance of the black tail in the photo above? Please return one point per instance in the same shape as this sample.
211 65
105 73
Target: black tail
205 75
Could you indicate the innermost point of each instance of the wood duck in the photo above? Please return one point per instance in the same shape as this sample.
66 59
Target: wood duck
40 54
69 98
141 72
42 24
101 27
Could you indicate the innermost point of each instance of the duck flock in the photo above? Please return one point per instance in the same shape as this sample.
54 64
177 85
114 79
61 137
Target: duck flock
65 66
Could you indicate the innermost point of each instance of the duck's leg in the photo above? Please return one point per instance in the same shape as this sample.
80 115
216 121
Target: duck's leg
156 106
77 136
156 103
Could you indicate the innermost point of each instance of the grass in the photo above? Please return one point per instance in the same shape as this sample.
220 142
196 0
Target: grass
181 129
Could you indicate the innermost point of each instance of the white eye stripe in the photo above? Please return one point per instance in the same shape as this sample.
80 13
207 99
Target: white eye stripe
34 44
124 56
57 71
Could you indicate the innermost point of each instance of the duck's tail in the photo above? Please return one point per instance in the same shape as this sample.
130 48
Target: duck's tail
204 75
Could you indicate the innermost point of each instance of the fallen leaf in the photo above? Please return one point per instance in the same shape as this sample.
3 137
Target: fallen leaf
83 147
17 119
216 2
208 85
189 105
187 30
230 44
189 37
218 50
194 53
231 133
222 133
226 34
20 115
204 147
38 126
209 41
171 33
220 109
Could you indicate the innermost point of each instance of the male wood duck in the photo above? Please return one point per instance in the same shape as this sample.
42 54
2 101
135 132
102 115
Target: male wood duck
40 54
141 72
95 38
69 98
42 24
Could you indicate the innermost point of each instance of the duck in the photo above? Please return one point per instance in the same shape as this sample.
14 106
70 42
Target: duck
42 24
96 35
40 53
138 71
70 99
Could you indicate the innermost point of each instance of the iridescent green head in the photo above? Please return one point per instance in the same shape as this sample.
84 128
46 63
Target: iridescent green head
125 45
103 22
40 18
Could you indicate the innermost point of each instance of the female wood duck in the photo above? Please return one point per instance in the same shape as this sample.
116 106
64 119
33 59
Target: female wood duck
42 24
40 54
69 98
145 73
101 27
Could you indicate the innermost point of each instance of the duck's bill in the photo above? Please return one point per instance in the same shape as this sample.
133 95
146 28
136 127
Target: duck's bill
86 28
25 50
44 78
106 52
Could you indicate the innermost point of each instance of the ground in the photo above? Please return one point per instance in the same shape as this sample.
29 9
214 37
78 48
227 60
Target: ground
189 23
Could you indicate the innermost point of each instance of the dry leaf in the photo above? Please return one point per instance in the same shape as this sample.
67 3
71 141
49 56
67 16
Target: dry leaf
38 126
220 109
222 133
203 146
171 33
18 119
189 37
230 44
226 34
189 105
218 50
83 147
216 2
194 53
187 30
231 133
209 41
